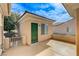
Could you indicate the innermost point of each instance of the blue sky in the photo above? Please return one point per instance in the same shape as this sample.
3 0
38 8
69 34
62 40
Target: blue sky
54 11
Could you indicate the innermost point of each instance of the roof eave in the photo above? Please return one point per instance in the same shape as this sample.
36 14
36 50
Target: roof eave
34 14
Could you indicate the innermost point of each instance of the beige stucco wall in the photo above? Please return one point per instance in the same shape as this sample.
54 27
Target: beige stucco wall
62 31
62 28
5 8
25 28
3 12
1 26
0 30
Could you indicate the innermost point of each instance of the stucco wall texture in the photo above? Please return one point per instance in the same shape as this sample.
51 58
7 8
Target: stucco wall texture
65 31
25 28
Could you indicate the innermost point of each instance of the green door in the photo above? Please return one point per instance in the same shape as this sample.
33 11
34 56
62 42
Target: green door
34 32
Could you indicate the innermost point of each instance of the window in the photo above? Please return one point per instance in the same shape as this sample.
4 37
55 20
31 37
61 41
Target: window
67 29
44 29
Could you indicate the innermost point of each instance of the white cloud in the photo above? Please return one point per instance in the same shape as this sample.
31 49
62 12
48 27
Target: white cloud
43 6
52 14
56 14
58 7
17 8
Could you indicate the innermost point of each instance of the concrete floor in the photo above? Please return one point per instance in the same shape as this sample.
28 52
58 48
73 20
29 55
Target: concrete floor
26 50
59 48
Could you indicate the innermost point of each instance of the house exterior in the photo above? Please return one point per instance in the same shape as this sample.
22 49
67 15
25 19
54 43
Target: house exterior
66 27
4 11
65 31
34 28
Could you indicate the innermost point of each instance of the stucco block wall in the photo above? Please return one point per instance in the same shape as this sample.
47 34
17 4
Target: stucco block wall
61 32
25 28
4 11
62 28
5 8
25 32
0 35
0 29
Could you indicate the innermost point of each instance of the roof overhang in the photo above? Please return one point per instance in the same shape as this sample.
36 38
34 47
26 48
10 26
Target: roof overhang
71 8
5 7
34 15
